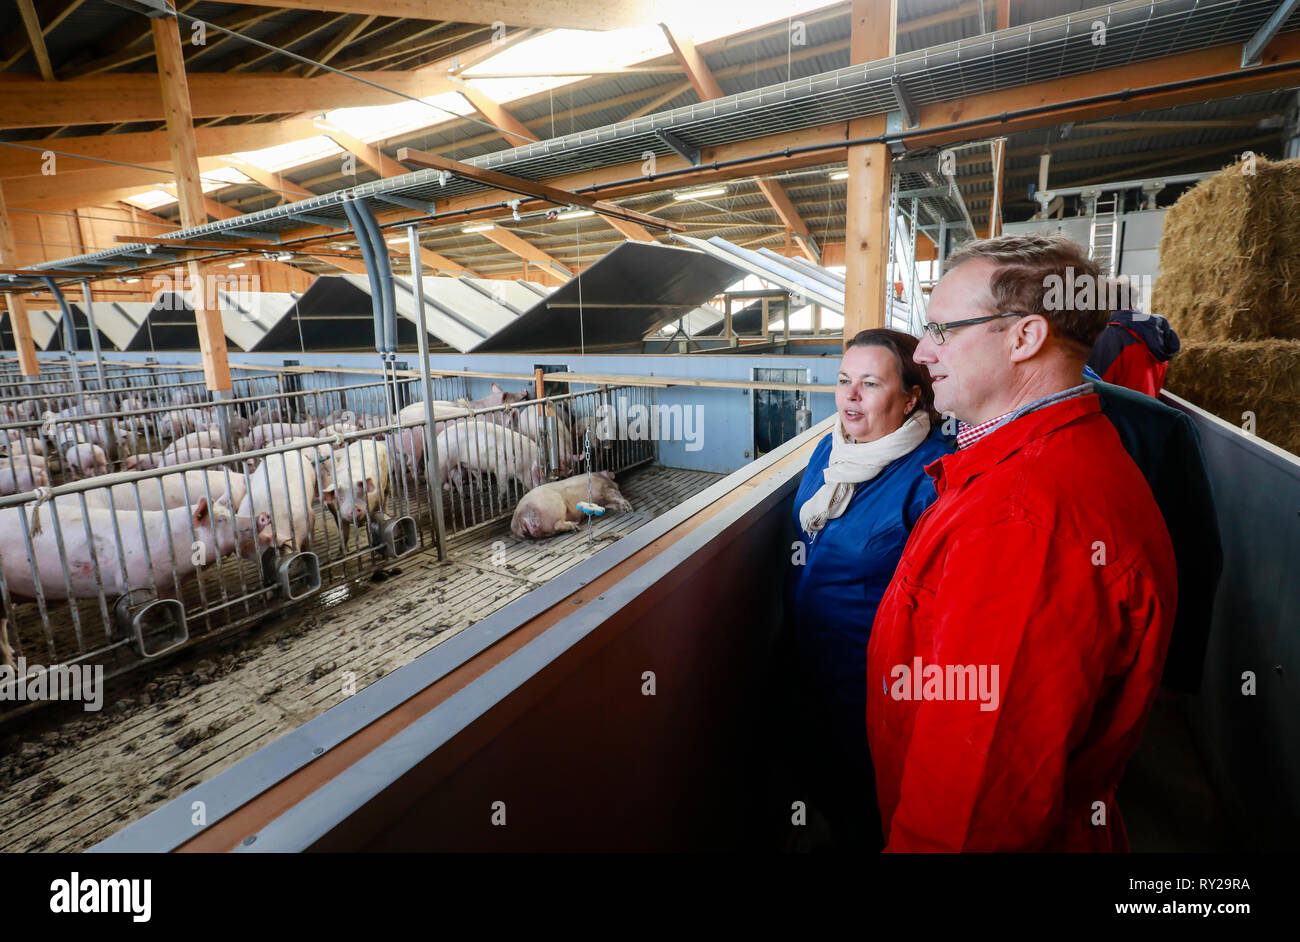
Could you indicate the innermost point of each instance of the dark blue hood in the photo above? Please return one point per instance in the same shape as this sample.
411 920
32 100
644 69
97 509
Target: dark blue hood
1153 329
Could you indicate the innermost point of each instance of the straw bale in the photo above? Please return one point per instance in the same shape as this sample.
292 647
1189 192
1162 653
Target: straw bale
1230 379
1230 255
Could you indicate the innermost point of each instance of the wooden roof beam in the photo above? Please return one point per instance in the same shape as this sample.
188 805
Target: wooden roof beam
707 87
561 14
369 155
130 97
145 147
36 38
528 252
287 190
697 70
336 44
531 188
422 37
788 214
495 114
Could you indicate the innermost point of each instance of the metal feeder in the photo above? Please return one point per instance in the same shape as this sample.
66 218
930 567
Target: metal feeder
158 625
396 537
298 575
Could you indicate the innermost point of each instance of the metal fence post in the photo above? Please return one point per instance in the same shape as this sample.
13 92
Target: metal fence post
430 445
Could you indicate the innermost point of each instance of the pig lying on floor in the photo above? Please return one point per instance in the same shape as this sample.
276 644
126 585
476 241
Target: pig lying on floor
553 508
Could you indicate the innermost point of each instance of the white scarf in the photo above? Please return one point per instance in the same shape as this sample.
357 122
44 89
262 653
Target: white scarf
852 463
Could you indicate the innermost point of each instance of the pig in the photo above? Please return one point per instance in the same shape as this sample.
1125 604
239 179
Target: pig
357 486
209 483
497 397
207 438
266 414
544 429
553 508
22 473
85 460
23 446
408 446
170 534
6 650
168 456
267 434
176 423
486 446
442 409
276 507
183 451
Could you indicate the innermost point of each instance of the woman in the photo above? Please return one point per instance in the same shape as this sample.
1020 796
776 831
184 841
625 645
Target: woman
864 489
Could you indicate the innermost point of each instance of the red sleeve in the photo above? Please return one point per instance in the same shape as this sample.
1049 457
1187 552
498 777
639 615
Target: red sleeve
1016 599
1136 368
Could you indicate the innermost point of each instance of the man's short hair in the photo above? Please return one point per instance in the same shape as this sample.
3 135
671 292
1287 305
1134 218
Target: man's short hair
1034 276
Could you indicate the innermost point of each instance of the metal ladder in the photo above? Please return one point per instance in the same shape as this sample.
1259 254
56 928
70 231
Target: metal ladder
1102 239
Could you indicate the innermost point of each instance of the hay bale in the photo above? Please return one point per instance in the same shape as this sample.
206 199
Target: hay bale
1229 379
1230 256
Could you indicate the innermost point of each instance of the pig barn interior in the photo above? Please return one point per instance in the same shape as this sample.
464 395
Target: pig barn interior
276 389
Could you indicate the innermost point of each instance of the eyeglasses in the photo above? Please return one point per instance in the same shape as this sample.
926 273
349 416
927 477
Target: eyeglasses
936 331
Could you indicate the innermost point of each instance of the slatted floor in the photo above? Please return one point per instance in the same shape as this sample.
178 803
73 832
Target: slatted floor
75 779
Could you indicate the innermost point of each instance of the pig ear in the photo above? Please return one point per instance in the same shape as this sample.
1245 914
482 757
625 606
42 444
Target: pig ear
327 495
370 485
606 474
201 511
497 389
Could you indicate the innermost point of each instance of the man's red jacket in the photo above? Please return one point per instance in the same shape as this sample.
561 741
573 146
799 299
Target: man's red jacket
1046 557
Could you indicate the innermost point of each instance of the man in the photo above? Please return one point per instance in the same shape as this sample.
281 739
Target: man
1134 351
1017 651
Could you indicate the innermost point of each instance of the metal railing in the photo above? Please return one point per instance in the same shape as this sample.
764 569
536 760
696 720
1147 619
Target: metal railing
123 567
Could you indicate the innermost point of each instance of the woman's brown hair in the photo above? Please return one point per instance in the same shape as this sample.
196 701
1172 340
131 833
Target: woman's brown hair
912 373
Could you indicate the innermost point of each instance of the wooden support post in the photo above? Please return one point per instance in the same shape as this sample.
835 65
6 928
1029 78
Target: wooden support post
185 164
995 206
18 320
866 252
22 329
1004 14
539 387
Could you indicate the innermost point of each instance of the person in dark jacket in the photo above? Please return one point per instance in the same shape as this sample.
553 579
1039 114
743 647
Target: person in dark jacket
1134 351
1163 443
864 488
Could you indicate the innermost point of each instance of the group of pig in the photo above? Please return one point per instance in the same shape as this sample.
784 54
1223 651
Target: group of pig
156 533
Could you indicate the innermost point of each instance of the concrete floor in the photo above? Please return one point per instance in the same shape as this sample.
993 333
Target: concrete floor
68 781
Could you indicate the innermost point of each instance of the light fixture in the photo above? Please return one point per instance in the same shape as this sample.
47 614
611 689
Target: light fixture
284 257
130 281
479 227
398 241
700 194
235 265
576 214
840 175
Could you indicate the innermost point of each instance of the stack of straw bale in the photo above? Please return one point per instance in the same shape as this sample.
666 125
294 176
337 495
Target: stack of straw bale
1230 285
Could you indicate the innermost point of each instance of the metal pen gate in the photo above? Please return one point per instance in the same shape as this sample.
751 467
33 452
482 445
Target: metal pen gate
119 569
